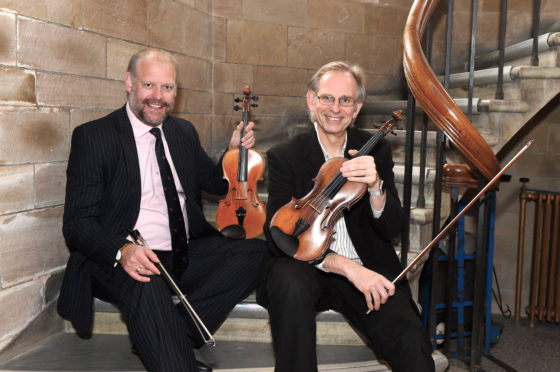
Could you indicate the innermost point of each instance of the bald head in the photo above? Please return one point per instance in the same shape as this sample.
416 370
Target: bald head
155 55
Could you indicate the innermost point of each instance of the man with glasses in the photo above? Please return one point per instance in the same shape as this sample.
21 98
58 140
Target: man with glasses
354 277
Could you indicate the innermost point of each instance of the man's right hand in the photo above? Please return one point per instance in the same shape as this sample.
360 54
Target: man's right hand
376 288
138 262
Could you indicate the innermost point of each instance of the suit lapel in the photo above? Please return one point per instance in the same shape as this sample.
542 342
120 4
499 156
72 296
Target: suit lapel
312 153
126 136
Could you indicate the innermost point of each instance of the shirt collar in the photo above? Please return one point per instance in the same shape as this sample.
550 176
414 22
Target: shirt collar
139 128
325 154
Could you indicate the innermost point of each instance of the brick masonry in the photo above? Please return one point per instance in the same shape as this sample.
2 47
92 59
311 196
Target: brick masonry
62 63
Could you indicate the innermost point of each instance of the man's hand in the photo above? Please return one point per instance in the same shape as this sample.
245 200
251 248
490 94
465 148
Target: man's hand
138 262
376 288
248 141
361 169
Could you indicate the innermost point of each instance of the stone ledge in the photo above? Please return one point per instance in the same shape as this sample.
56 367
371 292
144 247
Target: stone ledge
335 332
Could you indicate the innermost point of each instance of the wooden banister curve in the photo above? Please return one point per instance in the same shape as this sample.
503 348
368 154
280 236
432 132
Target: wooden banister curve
435 100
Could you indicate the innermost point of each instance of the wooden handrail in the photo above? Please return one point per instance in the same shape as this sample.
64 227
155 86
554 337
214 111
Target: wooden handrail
435 100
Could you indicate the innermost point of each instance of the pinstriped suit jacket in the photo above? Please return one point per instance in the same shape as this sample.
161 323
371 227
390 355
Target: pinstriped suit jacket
103 199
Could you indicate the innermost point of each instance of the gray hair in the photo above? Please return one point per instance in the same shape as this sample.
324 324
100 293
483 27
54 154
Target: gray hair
354 70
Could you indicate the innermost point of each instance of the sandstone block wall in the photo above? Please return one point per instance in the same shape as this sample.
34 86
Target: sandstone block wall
275 46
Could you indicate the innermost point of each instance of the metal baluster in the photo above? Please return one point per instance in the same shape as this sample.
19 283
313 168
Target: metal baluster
421 199
407 188
502 46
438 188
472 54
535 32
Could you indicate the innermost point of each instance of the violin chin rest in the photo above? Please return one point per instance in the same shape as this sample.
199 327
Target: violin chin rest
233 232
287 243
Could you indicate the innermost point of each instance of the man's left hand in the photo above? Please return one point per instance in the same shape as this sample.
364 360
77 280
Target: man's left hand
248 141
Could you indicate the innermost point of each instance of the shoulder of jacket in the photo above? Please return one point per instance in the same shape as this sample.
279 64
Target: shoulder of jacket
105 123
292 145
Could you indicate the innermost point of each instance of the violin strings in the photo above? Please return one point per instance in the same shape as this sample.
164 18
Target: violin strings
336 184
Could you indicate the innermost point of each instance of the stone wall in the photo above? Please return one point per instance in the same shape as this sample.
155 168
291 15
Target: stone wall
62 63
275 46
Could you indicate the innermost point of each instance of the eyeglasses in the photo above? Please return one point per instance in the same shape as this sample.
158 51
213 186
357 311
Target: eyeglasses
342 101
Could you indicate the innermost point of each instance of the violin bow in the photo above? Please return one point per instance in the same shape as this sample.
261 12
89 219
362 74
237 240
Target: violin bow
460 214
206 335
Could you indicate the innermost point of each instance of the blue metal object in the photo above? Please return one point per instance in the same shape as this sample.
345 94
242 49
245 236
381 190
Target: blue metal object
460 303
491 332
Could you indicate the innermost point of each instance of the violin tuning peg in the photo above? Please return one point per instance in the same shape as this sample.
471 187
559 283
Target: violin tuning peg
236 108
255 98
237 99
254 105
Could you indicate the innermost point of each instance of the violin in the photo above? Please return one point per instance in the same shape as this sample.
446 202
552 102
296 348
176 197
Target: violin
303 228
241 214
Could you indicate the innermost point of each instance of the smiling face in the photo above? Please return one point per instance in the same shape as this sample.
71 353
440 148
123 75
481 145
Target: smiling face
334 119
152 89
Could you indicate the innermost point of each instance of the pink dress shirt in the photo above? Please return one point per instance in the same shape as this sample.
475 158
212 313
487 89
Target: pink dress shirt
153 220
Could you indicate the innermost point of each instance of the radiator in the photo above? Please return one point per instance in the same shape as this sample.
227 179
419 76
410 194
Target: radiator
544 295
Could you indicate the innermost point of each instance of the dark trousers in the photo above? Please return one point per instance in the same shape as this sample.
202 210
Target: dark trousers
220 273
293 291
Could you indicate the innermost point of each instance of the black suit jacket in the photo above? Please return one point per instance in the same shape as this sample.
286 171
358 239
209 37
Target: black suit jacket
292 167
103 199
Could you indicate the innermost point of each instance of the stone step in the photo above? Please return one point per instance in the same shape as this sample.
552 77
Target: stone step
375 107
248 321
100 353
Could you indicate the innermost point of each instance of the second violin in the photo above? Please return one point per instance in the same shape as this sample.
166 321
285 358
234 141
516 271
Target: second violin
241 214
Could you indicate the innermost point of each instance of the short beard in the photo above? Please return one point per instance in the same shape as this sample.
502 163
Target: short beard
138 109
143 119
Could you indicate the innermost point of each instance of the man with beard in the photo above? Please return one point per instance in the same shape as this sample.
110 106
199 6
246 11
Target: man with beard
139 168
355 275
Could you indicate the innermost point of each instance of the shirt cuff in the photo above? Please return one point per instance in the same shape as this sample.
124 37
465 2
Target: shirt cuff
377 213
321 262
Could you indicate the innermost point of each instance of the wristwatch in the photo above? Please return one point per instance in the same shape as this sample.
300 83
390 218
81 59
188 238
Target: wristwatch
379 191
